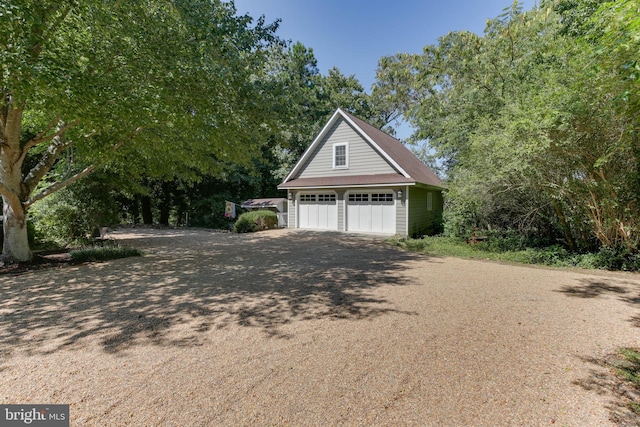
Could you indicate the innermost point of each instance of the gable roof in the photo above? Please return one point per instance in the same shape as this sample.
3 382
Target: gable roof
410 168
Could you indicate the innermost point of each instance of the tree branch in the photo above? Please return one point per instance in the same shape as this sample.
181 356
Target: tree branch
3 120
45 164
59 186
46 130
62 184
40 138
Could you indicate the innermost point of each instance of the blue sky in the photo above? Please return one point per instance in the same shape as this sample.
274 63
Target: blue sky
353 35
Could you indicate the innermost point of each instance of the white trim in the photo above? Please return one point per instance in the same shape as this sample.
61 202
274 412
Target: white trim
313 145
346 155
339 113
347 187
376 146
406 212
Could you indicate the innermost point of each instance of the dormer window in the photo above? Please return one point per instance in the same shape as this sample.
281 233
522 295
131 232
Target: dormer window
341 156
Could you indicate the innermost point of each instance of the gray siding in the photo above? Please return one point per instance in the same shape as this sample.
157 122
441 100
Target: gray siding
293 208
363 158
421 220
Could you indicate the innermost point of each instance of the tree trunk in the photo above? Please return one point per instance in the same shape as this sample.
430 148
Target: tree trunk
147 215
15 245
165 211
165 203
135 211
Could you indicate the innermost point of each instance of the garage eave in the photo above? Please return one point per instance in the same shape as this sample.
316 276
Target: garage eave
321 187
381 180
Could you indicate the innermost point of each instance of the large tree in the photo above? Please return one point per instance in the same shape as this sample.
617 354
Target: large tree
163 88
535 120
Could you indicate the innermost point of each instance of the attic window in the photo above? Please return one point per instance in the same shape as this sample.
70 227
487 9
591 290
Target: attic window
341 156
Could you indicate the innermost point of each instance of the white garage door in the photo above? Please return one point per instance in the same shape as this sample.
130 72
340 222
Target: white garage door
374 212
318 210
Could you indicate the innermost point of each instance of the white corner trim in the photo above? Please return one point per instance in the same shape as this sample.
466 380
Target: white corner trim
314 144
406 212
376 146
340 113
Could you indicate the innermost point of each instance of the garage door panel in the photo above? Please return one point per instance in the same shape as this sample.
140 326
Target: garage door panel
318 211
373 212
377 217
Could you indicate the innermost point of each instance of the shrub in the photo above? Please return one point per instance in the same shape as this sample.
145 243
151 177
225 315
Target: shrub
103 253
617 258
255 221
502 249
71 215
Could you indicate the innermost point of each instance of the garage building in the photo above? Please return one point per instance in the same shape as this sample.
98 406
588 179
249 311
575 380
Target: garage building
356 178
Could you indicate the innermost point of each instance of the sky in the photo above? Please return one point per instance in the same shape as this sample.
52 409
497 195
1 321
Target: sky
353 35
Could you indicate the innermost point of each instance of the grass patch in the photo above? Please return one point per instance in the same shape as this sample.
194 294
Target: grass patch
628 369
493 250
103 253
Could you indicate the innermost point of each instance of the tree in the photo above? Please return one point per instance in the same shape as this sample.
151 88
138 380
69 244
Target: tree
303 100
535 120
160 88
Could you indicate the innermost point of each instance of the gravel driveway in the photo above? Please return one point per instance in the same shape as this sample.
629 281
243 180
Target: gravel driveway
301 328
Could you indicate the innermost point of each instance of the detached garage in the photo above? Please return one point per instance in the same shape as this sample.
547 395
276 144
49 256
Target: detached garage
356 178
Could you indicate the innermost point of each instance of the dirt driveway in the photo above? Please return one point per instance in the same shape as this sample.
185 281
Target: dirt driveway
302 328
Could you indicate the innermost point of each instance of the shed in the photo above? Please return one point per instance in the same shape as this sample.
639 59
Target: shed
275 204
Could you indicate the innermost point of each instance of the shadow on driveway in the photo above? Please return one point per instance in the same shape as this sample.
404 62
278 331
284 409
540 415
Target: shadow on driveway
626 291
193 281
602 379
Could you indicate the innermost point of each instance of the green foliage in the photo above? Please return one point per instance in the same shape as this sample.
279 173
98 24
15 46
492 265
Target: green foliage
631 370
535 122
71 215
93 84
252 221
436 245
103 253
513 249
628 368
209 212
617 258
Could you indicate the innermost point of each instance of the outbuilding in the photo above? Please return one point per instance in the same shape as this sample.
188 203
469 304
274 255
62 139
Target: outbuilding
275 204
357 178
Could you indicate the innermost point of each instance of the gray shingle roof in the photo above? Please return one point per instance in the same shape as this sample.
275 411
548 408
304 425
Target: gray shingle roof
399 153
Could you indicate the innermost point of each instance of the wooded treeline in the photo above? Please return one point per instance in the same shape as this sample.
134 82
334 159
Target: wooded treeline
535 122
158 111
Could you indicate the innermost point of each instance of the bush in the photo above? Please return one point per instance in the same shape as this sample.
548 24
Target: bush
617 259
508 250
72 214
255 221
103 253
